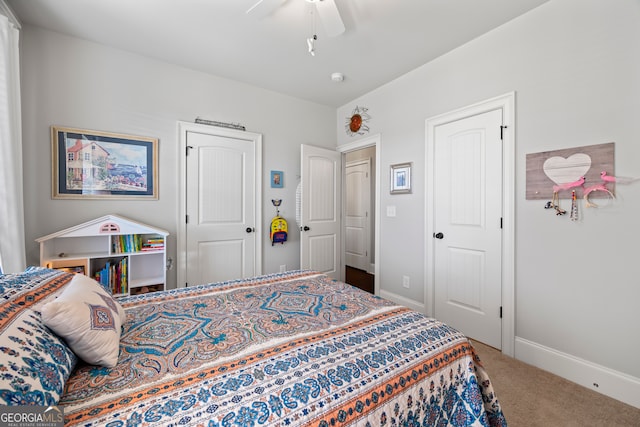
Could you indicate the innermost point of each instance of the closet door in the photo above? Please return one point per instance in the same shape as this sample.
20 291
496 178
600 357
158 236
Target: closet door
222 238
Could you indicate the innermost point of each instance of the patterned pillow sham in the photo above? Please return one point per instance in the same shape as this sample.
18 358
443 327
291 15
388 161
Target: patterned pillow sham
89 320
35 363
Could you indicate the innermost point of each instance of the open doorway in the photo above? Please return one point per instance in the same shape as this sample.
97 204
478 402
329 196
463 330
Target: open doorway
359 217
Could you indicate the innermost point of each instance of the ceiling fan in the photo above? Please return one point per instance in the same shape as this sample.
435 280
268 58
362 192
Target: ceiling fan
327 11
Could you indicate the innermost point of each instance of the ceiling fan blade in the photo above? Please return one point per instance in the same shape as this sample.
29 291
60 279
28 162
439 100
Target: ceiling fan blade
330 17
264 7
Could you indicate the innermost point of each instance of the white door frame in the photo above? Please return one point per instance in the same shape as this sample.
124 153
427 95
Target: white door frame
505 102
370 141
181 226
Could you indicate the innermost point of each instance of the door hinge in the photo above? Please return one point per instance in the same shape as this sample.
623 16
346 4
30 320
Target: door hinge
187 149
501 312
186 219
500 223
502 128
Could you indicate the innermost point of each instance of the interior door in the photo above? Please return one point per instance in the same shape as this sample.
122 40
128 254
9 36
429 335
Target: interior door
357 217
320 210
467 223
222 212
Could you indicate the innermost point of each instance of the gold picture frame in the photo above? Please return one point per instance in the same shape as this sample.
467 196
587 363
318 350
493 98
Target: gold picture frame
90 164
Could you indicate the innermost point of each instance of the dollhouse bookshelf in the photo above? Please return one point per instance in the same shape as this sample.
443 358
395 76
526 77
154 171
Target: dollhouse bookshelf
124 255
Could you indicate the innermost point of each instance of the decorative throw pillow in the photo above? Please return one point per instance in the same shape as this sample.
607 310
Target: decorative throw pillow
35 363
89 320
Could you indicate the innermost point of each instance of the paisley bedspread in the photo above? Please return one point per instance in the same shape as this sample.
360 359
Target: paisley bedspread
287 349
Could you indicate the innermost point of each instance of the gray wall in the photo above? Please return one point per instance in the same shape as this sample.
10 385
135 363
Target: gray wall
74 83
575 67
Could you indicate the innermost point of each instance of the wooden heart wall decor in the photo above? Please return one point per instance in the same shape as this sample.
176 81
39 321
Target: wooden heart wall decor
572 169
567 170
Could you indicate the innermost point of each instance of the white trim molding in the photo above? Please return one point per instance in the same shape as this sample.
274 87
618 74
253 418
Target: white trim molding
399 299
6 10
601 379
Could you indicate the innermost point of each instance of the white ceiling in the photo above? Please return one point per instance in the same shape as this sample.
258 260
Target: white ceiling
384 39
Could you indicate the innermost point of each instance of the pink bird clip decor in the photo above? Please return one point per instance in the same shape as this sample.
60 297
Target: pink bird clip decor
617 179
569 185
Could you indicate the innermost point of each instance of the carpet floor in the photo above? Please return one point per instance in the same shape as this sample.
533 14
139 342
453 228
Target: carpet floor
532 397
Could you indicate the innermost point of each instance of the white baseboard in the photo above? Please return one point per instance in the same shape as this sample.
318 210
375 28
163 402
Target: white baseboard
399 299
601 379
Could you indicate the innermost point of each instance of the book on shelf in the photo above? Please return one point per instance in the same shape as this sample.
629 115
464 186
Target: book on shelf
127 243
114 276
153 244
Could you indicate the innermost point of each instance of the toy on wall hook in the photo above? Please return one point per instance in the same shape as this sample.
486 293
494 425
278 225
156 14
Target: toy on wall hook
279 226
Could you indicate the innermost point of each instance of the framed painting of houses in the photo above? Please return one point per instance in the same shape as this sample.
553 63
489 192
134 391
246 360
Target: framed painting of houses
91 164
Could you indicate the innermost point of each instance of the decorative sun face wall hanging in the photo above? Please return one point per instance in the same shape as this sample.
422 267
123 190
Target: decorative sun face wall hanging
357 122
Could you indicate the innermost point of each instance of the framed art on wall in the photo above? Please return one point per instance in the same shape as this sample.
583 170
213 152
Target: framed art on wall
401 178
97 165
277 178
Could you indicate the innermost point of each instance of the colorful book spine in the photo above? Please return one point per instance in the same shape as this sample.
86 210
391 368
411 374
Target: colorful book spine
114 276
153 244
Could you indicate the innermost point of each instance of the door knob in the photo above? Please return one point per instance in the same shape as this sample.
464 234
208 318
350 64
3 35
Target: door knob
250 230
438 235
305 228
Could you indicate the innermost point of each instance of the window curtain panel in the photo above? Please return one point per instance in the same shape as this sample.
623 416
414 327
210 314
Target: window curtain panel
12 246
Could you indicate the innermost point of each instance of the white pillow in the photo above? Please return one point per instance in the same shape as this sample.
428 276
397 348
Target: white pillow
89 320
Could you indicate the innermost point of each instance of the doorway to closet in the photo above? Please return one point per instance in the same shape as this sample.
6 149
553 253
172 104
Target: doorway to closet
359 203
360 212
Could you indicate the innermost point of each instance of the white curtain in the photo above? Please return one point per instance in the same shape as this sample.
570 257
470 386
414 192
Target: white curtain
12 247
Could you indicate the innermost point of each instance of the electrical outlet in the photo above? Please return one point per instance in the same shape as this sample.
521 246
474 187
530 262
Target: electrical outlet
405 282
283 268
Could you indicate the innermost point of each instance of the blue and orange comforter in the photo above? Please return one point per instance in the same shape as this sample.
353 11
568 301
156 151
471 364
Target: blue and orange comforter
288 349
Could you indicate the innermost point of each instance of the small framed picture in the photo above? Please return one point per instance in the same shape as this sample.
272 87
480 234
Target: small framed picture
277 179
401 178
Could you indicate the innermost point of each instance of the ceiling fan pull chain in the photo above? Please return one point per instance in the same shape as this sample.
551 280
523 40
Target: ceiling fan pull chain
311 40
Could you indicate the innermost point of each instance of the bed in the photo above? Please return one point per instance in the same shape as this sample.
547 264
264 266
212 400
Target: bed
287 349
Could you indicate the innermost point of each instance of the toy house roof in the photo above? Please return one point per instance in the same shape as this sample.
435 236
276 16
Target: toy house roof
106 225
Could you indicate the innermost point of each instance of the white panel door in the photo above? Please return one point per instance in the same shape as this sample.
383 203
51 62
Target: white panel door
320 210
357 218
221 239
467 224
